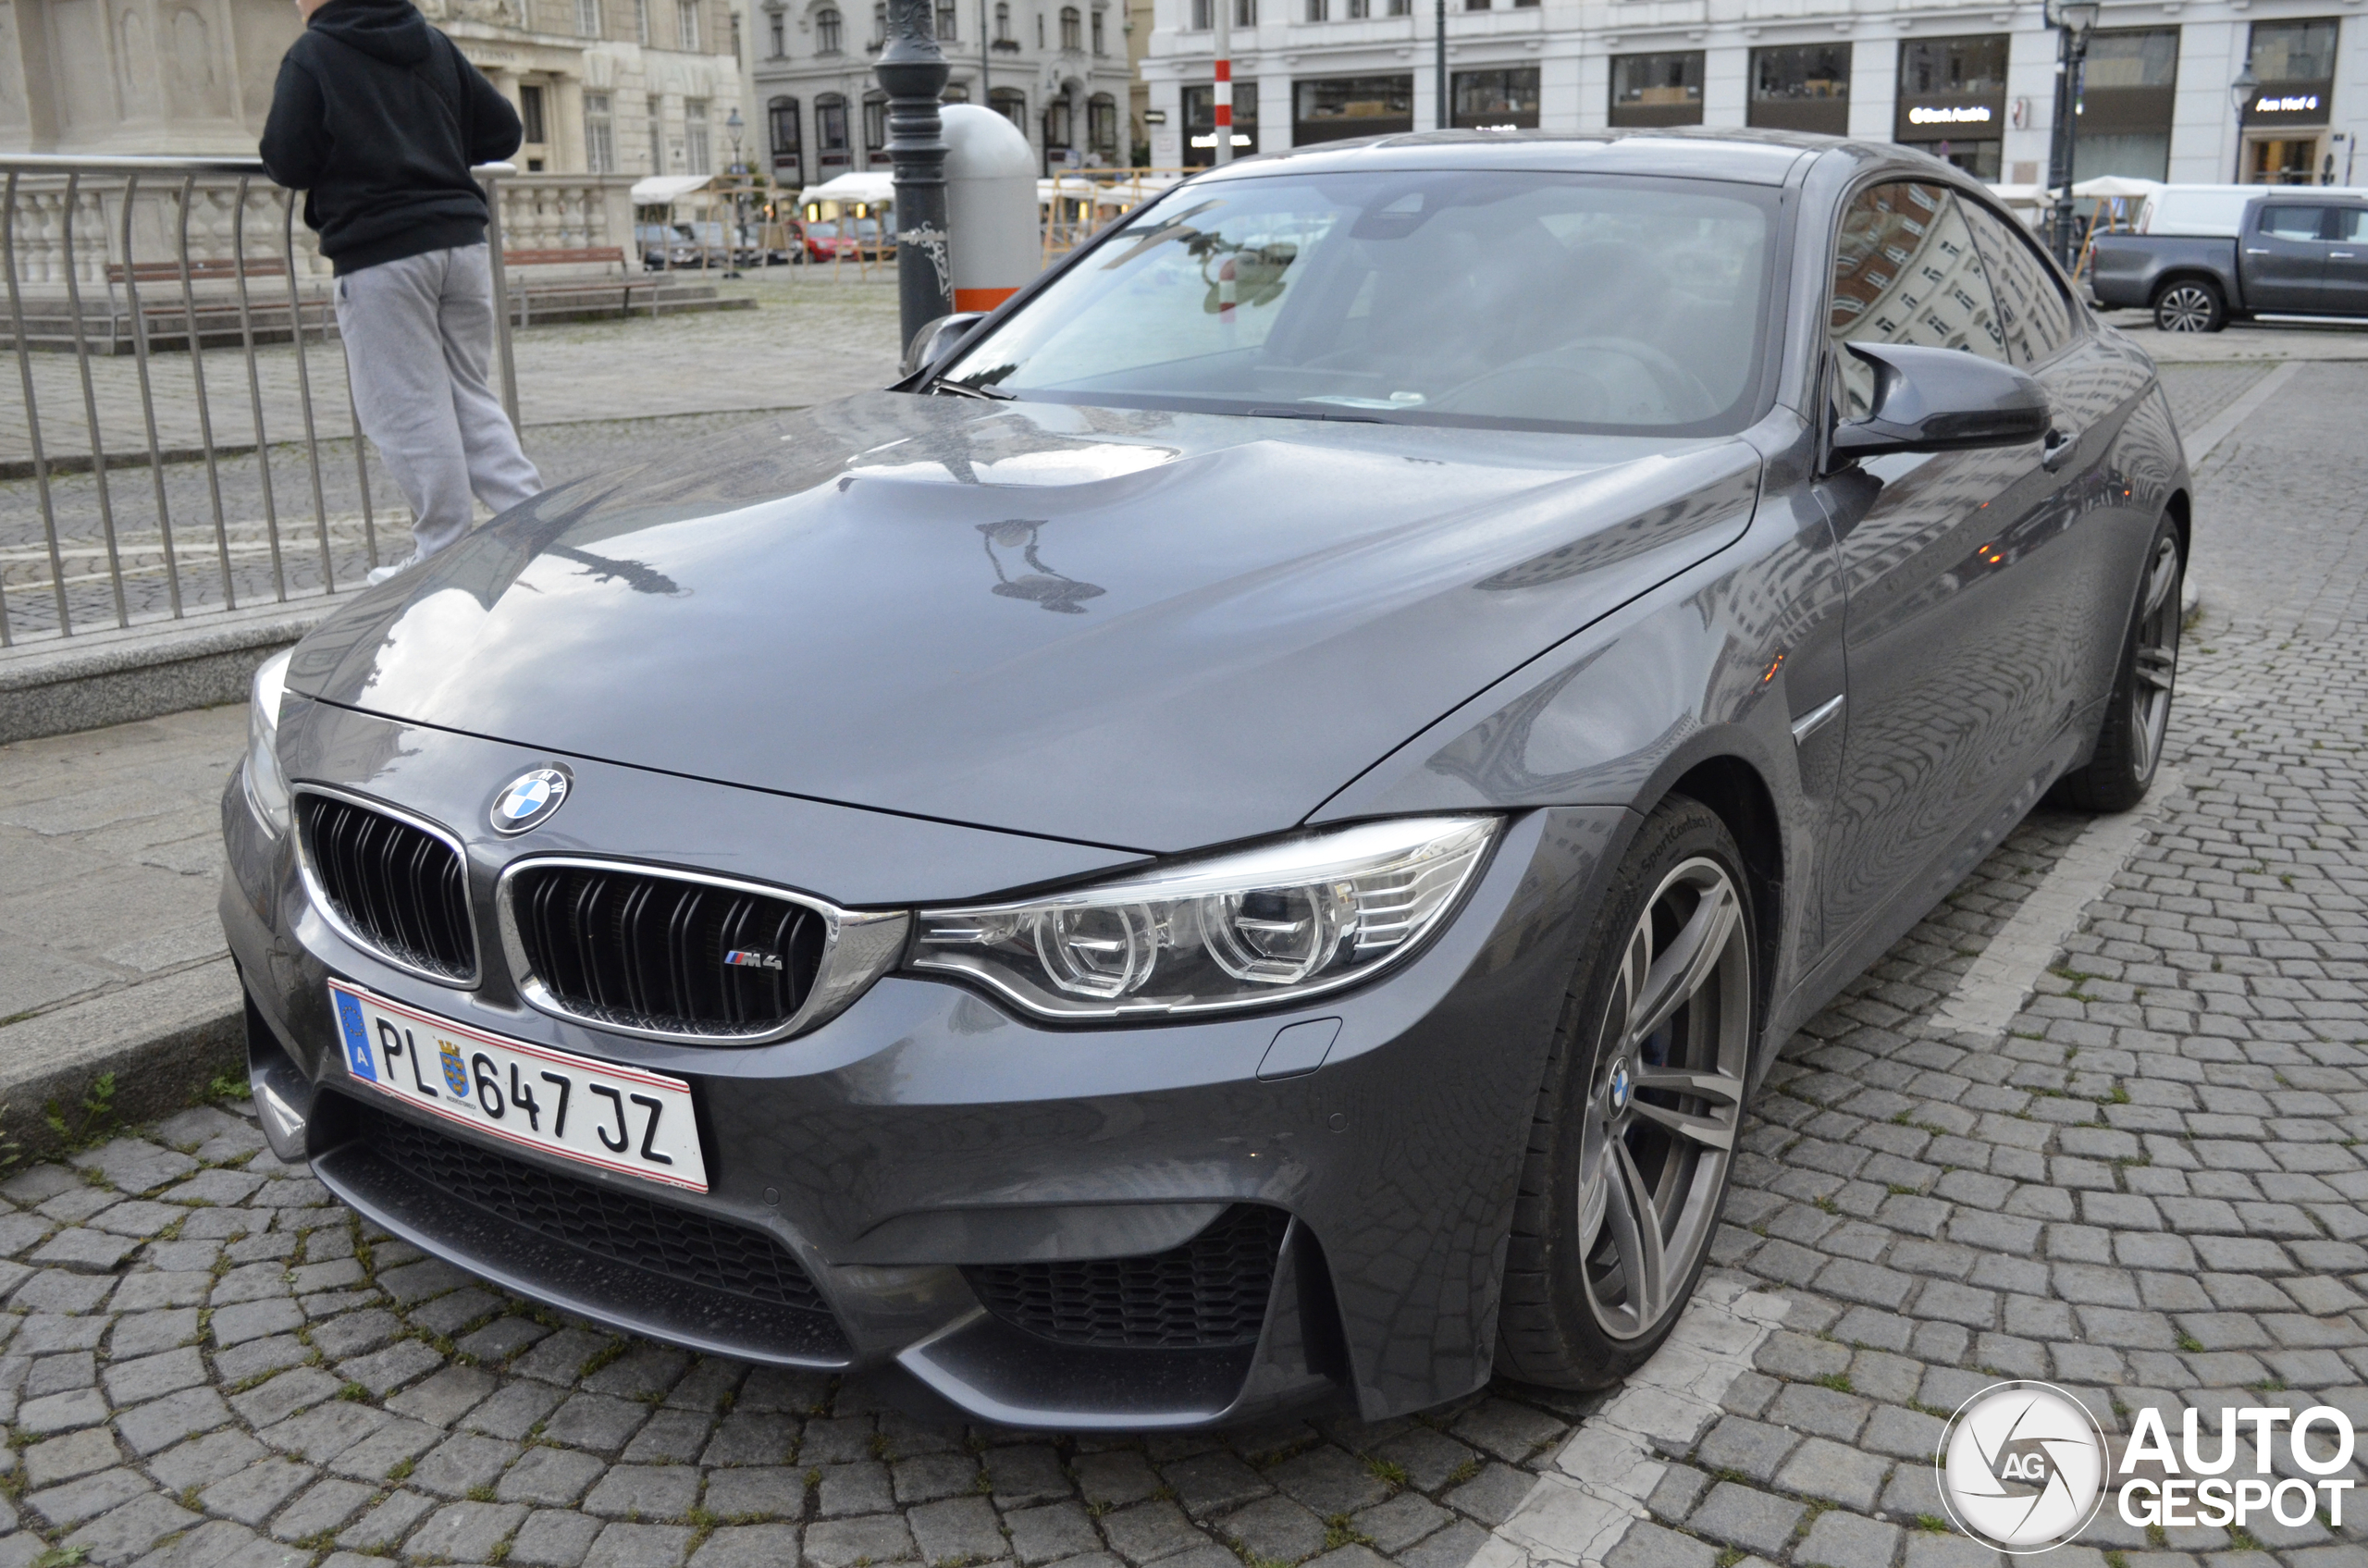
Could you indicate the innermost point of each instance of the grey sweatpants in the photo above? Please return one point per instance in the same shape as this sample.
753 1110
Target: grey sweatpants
418 332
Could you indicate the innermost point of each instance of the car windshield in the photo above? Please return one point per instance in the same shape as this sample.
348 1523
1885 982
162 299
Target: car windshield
1503 298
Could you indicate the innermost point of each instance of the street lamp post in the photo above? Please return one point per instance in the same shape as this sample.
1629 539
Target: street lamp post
1438 62
912 71
2241 91
733 125
2073 21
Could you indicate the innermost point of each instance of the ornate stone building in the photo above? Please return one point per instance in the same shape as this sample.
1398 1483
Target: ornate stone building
1058 68
629 87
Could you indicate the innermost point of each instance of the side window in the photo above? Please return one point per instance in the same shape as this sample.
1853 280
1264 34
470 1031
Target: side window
1904 271
2039 319
2352 223
2292 223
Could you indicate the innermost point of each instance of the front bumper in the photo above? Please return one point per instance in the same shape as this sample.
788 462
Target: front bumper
926 1129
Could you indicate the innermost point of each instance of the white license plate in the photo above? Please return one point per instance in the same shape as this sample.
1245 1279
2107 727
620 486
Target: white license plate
619 1119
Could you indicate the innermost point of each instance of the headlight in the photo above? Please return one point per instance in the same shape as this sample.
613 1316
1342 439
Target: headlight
1273 924
266 785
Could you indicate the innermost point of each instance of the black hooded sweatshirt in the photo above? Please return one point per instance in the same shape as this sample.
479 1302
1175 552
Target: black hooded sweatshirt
377 118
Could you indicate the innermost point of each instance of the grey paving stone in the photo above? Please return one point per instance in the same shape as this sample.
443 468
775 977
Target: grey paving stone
1207 1482
645 1491
162 1423
384 1525
126 1532
465 1460
326 1506
1491 1496
550 1538
1150 1531
1274 1529
62 1458
1646 1545
595 1421
549 1477
1743 1516
1024 1474
750 1546
1827 1470
1844 1540
840 1543
1752 1448
255 1493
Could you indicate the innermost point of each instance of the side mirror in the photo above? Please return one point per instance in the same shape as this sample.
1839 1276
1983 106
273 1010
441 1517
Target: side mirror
1942 400
938 340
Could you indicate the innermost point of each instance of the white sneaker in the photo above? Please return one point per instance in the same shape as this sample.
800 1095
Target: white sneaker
380 573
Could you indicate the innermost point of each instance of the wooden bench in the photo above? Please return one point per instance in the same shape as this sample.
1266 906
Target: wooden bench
199 271
626 283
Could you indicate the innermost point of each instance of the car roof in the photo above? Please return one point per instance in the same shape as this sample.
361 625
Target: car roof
1758 157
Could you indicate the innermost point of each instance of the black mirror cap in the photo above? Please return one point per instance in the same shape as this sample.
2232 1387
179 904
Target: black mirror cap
1942 400
937 340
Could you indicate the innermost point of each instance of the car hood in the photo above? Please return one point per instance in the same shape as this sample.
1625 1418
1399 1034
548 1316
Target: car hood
1134 628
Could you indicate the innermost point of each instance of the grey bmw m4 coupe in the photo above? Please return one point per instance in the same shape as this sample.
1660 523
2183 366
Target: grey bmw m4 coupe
1243 836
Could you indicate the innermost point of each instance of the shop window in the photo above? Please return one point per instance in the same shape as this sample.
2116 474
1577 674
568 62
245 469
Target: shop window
2123 112
1333 107
1200 122
1801 87
1012 104
788 143
1101 124
1662 89
1492 98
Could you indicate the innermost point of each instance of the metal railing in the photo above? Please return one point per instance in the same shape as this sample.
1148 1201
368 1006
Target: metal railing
174 263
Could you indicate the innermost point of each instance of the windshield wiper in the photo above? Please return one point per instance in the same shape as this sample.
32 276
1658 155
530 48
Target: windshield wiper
965 389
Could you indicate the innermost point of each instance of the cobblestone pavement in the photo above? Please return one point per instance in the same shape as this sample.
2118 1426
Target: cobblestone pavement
2250 340
2147 1191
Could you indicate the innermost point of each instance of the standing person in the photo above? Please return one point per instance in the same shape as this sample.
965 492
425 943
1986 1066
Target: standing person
377 118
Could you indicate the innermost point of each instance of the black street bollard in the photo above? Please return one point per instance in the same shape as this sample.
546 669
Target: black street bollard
912 71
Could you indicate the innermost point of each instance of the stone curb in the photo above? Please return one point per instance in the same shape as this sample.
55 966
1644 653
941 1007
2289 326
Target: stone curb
164 1040
119 676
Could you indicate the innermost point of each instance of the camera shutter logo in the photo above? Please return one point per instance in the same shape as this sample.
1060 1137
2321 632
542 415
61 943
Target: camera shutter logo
529 799
2022 1467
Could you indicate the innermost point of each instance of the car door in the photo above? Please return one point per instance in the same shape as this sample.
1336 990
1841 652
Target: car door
2285 257
2345 286
1946 639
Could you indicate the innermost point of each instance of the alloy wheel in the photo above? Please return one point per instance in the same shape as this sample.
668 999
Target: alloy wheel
2186 307
2155 658
1666 1100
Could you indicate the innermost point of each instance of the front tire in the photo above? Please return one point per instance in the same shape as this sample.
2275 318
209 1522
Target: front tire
1634 1135
2190 305
2137 714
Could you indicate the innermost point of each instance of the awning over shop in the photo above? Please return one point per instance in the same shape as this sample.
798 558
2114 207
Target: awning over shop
660 189
873 188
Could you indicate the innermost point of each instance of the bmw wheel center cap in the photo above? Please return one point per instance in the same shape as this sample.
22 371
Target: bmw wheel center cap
529 800
1619 1086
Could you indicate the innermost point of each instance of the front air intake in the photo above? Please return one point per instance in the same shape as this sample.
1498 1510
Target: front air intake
679 956
1211 1291
391 885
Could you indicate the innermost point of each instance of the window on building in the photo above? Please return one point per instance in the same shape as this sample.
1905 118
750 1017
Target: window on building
1475 4
1099 46
830 123
735 37
1200 122
600 135
776 34
1801 87
656 123
1101 124
686 26
1202 20
1319 10
880 27
1952 100
1359 9
1400 7
1660 89
826 32
641 23
1333 107
696 156
875 124
1012 104
1977 64
1003 23
2294 51
1057 125
1495 98
949 24
1072 29
2127 89
1906 271
530 113
1040 29
587 18
788 145
1245 13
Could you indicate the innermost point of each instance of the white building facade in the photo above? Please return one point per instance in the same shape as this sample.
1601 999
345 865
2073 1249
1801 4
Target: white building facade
1057 69
1974 83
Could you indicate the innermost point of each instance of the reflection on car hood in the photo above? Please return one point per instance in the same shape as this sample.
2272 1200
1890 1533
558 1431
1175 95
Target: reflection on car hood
1133 628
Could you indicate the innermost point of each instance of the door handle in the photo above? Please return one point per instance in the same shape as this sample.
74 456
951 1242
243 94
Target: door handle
2256 249
2340 255
2056 448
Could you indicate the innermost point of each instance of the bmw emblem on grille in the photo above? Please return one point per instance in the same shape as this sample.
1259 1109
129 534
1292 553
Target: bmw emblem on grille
529 800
